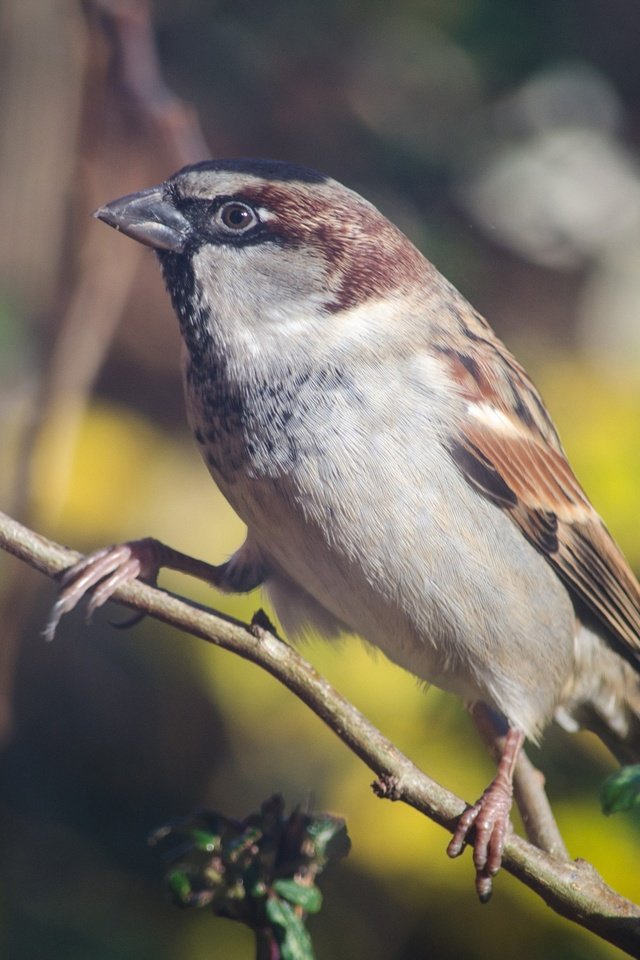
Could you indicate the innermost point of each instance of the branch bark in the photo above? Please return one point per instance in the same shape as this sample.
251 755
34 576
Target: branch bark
573 889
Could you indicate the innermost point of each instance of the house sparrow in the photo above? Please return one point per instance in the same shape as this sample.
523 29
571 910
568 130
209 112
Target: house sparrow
398 473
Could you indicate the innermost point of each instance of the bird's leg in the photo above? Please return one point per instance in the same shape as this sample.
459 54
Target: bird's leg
528 785
101 573
489 818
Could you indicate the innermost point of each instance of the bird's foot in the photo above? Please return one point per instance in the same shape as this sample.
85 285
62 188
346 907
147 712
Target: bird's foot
489 819
101 573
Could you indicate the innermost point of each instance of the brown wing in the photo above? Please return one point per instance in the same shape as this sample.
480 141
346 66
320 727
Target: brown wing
508 449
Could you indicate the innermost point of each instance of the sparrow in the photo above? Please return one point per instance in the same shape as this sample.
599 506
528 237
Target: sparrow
398 473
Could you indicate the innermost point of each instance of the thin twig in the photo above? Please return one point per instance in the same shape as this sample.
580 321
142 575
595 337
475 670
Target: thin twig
172 121
535 809
572 888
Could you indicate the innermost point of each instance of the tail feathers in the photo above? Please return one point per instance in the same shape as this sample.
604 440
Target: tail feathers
604 697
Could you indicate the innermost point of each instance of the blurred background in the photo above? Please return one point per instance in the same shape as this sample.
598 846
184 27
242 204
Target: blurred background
503 137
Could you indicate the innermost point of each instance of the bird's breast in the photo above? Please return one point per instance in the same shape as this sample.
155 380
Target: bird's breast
350 491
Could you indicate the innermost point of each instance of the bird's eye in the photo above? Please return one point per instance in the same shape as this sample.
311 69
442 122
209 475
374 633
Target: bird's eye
237 217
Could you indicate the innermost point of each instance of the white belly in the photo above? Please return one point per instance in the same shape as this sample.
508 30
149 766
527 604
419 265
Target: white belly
364 511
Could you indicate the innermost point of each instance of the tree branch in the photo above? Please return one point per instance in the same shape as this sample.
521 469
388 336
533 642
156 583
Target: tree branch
572 888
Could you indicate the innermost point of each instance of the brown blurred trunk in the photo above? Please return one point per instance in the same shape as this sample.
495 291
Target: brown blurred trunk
86 115
41 82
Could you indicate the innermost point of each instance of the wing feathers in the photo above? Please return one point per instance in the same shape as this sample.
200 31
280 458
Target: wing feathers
517 462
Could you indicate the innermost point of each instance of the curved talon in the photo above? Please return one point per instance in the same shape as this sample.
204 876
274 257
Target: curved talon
484 887
101 574
128 622
460 837
489 817
126 571
139 615
489 820
53 620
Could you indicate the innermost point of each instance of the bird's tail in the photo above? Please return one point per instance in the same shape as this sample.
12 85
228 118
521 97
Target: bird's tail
604 697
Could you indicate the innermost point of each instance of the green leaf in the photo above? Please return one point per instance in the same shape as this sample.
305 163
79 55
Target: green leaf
205 840
289 930
330 837
309 898
276 913
621 791
180 886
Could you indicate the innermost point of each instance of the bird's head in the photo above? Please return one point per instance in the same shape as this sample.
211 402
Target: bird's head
259 244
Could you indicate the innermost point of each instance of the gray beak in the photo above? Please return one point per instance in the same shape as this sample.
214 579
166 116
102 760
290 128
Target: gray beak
149 218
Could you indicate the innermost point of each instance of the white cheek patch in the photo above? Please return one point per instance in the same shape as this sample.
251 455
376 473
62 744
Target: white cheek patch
493 418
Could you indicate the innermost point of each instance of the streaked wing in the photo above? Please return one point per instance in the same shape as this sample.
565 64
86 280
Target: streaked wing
508 449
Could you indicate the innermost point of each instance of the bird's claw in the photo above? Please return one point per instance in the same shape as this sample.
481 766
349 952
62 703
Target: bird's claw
489 819
100 575
128 622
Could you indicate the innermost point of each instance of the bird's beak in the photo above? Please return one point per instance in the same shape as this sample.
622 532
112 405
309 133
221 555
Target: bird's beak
149 218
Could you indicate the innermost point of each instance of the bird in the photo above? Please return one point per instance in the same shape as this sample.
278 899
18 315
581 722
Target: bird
398 473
